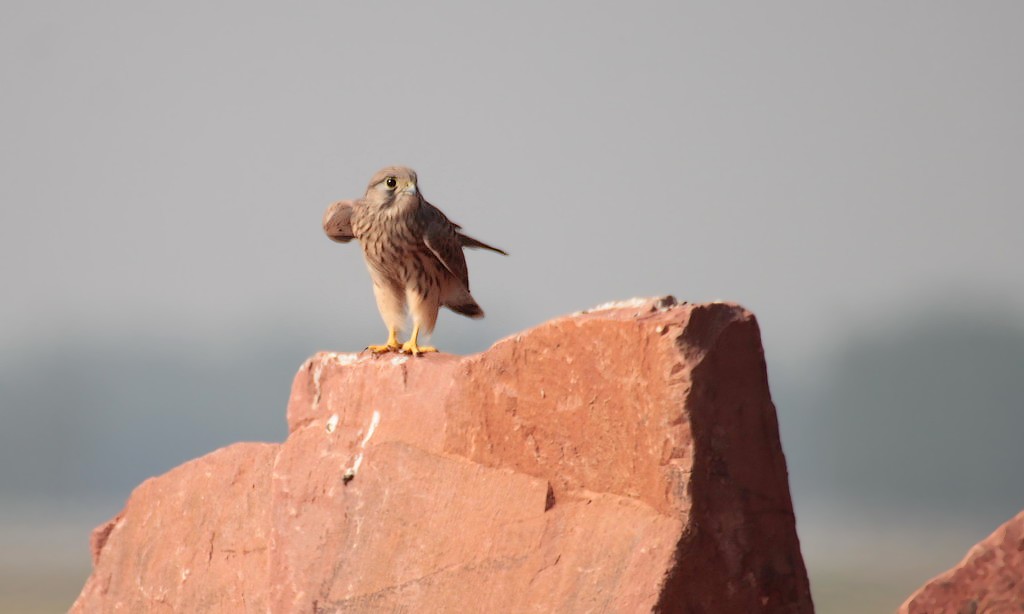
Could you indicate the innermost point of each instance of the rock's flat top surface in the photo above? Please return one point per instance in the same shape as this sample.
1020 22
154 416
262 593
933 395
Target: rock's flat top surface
624 459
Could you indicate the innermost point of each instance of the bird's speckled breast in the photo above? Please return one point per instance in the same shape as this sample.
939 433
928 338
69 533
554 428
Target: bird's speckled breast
393 246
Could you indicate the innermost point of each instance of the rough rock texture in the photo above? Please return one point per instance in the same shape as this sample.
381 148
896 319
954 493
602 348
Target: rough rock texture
625 459
989 579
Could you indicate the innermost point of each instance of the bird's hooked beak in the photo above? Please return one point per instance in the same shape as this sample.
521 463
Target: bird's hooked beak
410 189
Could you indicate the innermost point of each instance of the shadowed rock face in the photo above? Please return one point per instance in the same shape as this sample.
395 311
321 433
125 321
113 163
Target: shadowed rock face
989 579
625 459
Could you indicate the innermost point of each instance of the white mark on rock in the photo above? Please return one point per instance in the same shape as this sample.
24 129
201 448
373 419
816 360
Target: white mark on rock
374 421
344 359
318 370
332 423
354 469
399 360
660 303
358 460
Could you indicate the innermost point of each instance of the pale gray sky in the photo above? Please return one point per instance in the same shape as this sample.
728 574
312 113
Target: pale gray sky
164 168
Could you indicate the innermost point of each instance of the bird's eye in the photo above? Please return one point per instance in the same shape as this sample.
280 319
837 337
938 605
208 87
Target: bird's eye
391 182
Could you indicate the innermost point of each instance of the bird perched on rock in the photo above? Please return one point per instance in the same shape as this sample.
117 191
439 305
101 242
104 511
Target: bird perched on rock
413 252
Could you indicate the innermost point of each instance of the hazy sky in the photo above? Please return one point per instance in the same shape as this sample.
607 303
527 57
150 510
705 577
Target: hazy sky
164 169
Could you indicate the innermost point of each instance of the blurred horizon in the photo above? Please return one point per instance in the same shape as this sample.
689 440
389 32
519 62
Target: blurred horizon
968 346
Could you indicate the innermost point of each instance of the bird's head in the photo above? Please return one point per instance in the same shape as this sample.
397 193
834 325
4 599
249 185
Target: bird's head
392 185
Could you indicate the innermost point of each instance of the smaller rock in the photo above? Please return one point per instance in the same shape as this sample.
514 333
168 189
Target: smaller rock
989 579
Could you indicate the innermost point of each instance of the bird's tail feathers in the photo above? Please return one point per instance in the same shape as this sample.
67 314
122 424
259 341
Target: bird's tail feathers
470 310
464 303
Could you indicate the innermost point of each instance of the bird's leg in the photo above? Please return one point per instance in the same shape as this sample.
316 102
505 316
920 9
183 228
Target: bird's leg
413 347
390 346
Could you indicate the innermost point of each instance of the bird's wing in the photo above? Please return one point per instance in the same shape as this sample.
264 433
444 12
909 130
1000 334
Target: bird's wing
443 240
468 241
338 221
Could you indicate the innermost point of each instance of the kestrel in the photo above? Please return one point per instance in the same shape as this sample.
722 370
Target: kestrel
413 252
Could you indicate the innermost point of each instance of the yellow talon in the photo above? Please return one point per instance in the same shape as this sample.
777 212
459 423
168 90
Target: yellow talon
416 350
413 347
390 346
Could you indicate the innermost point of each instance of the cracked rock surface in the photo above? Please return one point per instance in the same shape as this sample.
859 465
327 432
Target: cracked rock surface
622 459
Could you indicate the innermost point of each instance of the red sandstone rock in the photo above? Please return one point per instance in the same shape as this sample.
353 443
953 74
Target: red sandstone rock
621 460
989 579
